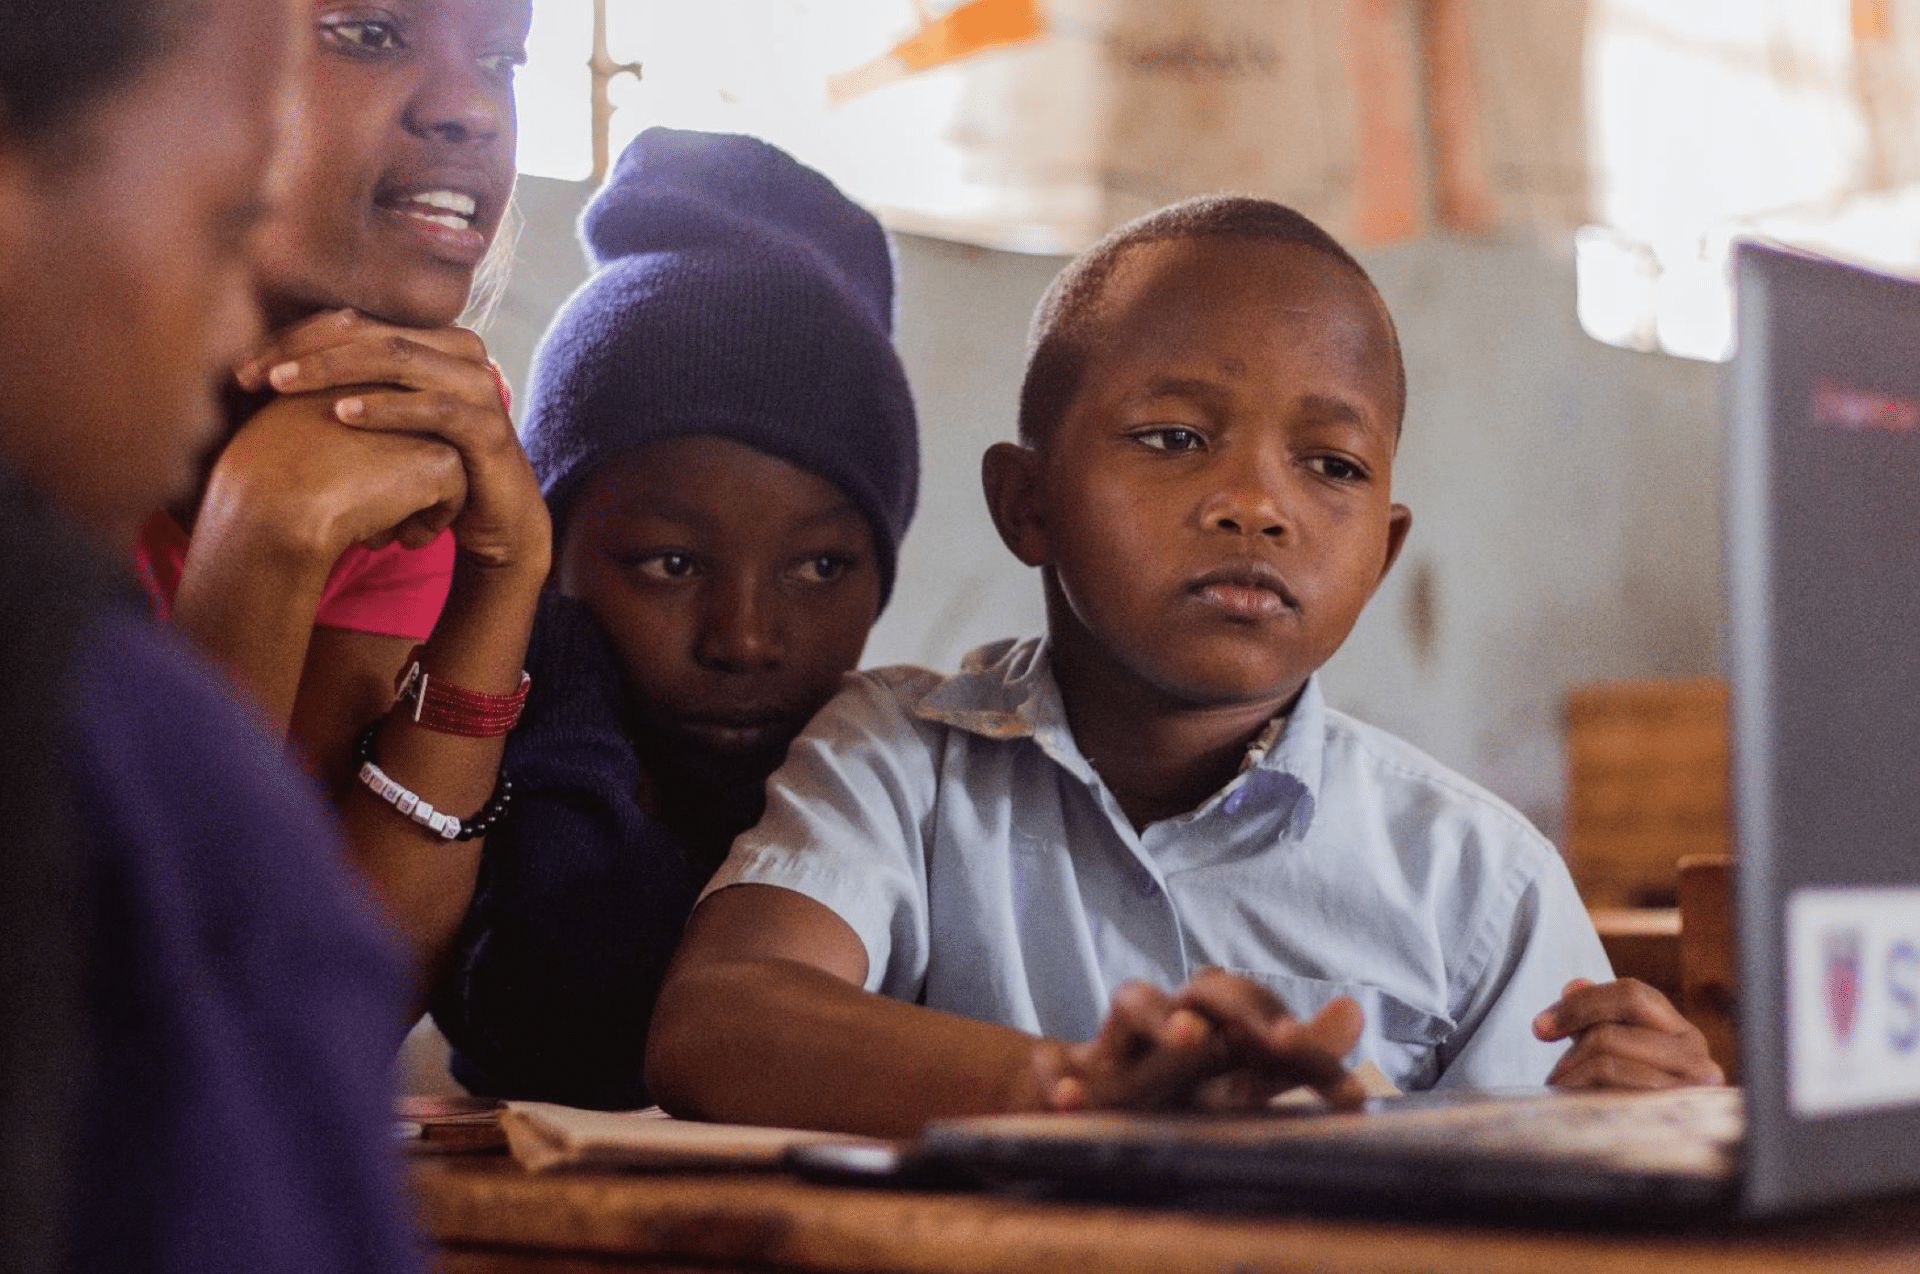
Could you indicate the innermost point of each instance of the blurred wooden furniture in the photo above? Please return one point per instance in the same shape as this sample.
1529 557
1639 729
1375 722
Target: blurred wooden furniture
487 1216
1643 943
1647 785
1709 984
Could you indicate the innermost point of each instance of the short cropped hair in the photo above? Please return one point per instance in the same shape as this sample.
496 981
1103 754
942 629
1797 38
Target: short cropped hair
60 55
1066 324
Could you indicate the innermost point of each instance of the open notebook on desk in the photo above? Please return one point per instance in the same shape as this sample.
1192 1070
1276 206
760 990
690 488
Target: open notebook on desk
1823 581
544 1136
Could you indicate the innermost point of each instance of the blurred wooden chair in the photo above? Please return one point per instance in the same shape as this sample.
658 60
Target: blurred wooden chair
1647 785
1709 982
1643 943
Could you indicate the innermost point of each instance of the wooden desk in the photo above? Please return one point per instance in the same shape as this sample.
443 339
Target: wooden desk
489 1217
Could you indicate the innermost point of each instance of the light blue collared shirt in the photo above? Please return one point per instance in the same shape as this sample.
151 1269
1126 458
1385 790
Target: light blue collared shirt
955 825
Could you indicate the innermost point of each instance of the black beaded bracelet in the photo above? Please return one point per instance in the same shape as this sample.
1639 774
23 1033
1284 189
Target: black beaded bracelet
444 825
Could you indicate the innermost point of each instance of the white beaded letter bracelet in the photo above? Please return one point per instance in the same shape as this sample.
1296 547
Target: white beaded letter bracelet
442 824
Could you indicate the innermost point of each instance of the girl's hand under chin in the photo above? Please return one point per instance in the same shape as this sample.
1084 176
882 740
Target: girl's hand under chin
428 384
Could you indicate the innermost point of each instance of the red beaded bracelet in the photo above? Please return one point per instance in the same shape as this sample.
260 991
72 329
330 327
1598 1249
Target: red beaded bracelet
449 709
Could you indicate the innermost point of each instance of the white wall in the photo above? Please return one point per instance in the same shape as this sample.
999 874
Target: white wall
1565 494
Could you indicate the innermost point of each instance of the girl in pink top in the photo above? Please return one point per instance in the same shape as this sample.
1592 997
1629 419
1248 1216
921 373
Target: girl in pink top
371 481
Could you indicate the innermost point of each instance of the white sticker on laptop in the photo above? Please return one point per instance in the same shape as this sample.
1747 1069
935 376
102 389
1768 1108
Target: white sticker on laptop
1853 999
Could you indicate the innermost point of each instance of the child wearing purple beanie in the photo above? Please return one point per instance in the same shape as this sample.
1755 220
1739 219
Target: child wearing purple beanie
726 441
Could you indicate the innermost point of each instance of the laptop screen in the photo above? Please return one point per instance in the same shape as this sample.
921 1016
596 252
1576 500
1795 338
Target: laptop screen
1823 586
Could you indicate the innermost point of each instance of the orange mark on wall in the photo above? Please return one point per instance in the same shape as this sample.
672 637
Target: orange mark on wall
972 28
1463 199
1387 198
1872 20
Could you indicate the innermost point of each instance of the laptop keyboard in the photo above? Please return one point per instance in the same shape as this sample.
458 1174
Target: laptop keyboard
1679 1130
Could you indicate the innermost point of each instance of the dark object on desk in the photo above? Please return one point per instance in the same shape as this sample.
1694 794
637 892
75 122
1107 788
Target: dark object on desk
1589 1157
449 1125
1824 602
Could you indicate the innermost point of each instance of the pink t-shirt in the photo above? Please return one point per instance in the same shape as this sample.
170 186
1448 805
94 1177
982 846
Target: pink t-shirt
393 590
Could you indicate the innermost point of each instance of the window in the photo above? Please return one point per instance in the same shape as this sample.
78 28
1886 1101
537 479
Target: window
1718 119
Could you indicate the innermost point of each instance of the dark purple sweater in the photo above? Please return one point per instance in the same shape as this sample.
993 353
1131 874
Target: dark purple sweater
197 1006
241 999
580 900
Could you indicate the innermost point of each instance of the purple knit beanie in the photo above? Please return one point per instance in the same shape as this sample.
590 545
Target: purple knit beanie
736 293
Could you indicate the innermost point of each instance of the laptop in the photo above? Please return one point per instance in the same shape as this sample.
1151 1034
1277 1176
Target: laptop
1823 563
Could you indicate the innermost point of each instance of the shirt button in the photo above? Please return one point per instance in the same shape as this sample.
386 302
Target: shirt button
1143 881
1235 800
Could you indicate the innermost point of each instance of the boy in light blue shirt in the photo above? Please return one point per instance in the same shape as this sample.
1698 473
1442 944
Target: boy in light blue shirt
1140 862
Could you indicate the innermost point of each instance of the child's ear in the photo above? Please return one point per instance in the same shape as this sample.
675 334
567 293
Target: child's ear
1399 522
1011 477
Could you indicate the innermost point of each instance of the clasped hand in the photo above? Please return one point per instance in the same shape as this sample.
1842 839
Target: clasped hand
381 433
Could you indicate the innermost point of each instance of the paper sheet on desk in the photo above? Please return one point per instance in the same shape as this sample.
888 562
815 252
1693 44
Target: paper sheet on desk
544 1136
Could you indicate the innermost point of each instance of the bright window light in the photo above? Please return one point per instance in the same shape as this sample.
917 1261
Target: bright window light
1716 120
553 91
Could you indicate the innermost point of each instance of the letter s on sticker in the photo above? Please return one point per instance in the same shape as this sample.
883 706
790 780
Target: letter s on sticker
1903 988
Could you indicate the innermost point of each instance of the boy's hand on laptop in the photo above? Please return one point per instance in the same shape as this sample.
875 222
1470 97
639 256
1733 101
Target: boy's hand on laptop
1221 1042
1625 1035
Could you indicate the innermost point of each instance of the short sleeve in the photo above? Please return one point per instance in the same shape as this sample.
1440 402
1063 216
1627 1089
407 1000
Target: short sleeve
393 590
1530 945
846 824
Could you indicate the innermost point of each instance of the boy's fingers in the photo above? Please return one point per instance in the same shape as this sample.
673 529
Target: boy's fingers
1337 1027
1314 1052
1601 1069
1682 1056
1127 1035
1274 1046
1239 1006
1134 1019
1276 1051
1149 1052
1627 1001
1607 1071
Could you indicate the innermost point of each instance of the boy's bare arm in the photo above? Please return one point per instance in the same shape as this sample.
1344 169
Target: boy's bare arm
763 1020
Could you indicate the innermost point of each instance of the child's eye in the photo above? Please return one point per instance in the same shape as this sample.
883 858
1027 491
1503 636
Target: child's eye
823 569
363 34
664 567
1337 468
501 66
1171 438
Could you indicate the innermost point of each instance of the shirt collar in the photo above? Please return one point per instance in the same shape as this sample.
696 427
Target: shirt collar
1006 690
